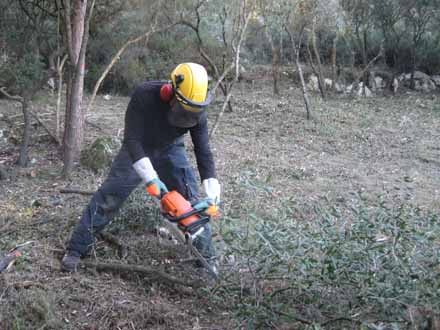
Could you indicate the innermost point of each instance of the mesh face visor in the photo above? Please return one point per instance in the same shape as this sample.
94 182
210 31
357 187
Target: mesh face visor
179 117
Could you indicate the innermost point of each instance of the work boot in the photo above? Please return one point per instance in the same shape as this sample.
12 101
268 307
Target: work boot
70 261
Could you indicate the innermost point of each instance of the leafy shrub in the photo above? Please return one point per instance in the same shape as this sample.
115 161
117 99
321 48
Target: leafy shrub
323 268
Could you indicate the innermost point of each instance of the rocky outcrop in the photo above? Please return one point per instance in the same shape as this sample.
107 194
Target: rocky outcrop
379 81
422 81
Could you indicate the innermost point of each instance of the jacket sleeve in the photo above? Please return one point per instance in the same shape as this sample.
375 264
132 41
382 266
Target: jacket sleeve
134 128
202 150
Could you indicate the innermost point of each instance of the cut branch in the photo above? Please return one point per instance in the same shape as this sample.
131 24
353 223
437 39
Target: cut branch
150 273
76 191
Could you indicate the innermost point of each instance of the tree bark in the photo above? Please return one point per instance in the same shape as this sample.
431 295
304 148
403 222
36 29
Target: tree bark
333 60
275 68
319 73
23 158
296 48
77 36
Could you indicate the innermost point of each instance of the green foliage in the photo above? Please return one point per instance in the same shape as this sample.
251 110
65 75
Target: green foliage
367 267
137 213
31 309
27 71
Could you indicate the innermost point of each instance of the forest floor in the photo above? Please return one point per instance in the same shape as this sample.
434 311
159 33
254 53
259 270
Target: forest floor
385 148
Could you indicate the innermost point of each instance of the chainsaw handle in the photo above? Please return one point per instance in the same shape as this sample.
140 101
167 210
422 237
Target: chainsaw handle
181 217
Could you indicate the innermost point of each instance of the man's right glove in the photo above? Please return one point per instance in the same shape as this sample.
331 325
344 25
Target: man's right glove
212 189
207 206
145 170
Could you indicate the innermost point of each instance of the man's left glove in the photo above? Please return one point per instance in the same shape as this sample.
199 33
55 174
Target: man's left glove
146 172
156 188
212 189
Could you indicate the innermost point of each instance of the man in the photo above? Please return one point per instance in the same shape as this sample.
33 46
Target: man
153 152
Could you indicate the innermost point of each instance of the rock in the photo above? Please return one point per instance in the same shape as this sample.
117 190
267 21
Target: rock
378 83
436 80
420 76
364 91
4 133
339 88
101 153
313 84
395 85
328 83
422 82
424 85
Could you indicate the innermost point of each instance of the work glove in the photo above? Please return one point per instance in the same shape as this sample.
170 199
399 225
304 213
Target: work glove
145 170
207 207
156 188
212 190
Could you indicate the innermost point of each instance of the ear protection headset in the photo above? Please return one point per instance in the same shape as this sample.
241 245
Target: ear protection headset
166 92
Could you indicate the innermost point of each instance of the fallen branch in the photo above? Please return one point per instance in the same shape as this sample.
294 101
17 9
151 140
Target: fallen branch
292 316
76 191
27 285
151 274
53 136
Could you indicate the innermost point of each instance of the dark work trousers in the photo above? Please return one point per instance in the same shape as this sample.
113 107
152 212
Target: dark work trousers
173 169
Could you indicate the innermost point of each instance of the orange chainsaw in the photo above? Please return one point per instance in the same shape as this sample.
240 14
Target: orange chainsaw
186 221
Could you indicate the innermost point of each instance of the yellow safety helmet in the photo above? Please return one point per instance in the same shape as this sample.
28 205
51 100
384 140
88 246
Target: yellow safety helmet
190 85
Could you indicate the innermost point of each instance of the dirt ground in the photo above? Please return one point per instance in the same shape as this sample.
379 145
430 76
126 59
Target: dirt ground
383 148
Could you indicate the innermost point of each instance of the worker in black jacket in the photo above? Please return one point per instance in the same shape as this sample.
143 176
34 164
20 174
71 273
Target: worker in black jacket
153 152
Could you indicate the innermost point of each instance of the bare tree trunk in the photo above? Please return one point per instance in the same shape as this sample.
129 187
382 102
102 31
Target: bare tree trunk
412 84
275 61
241 33
275 69
333 60
366 74
23 158
318 68
77 37
215 70
296 48
60 67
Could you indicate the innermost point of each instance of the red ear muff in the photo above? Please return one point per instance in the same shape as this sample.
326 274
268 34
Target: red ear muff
166 92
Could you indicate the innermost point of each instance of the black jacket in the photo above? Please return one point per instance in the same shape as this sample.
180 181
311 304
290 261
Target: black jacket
147 129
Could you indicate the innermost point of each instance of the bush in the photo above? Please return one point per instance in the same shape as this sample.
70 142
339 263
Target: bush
324 269
31 309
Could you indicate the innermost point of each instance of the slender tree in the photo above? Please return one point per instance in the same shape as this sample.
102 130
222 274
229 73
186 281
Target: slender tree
77 16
